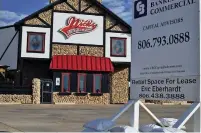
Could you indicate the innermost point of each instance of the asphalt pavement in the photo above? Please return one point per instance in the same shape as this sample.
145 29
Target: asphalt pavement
70 118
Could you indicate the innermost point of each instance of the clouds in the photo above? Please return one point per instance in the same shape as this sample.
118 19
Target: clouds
120 7
47 3
2 23
9 18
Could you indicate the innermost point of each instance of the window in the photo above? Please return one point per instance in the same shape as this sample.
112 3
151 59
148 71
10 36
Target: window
97 80
65 82
118 47
81 83
35 42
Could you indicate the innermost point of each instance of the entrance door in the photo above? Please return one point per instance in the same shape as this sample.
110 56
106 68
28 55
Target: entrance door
46 91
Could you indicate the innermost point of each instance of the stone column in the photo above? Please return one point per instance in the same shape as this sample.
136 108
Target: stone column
36 91
119 85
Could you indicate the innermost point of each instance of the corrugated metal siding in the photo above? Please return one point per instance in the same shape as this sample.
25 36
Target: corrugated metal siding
11 55
84 63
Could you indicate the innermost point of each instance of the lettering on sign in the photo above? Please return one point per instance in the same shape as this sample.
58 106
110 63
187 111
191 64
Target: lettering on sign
165 50
166 88
77 26
158 6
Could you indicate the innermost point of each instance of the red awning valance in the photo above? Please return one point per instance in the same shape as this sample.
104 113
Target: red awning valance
82 63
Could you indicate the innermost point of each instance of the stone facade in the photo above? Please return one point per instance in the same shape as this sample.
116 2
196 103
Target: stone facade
74 3
119 28
64 49
36 91
91 51
62 7
21 99
88 99
94 9
84 4
109 22
34 21
119 85
46 16
24 99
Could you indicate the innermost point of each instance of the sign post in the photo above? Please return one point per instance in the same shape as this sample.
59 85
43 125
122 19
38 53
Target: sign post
165 62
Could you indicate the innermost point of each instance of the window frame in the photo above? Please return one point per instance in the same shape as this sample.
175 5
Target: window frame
78 82
43 41
94 89
62 83
125 47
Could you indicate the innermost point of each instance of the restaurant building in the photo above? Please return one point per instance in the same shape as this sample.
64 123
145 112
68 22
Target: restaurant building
82 47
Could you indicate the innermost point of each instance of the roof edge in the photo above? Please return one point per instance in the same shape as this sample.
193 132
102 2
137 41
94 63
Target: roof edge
39 11
8 26
60 1
112 13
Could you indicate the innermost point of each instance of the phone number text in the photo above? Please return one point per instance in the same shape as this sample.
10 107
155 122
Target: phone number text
164 40
162 96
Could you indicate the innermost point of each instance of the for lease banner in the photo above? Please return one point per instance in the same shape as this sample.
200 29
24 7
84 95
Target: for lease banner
165 50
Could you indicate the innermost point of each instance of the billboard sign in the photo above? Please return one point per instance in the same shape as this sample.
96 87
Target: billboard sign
165 50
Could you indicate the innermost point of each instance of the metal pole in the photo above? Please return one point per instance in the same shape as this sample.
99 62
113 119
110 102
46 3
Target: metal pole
122 110
134 121
151 114
187 115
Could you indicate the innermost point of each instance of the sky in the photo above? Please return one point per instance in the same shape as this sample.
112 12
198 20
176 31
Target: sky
12 11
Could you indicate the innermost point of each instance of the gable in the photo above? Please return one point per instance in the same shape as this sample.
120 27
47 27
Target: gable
44 16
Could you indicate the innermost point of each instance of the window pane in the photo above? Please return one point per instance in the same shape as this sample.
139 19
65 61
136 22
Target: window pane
35 42
118 47
97 83
66 80
82 83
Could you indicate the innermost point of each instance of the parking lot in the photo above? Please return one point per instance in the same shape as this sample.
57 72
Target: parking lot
70 118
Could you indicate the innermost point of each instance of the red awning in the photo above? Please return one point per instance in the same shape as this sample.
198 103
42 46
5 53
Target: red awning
83 63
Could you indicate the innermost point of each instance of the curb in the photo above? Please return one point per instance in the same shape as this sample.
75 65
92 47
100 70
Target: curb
150 104
167 103
174 104
186 103
170 103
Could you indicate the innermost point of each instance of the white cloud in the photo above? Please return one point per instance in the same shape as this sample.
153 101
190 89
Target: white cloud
125 14
120 7
113 4
47 3
3 23
7 15
9 18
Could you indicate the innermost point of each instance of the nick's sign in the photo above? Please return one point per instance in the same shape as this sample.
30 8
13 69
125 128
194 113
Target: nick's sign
77 26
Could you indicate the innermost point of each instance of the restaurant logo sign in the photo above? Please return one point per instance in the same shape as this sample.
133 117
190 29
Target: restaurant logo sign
77 26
